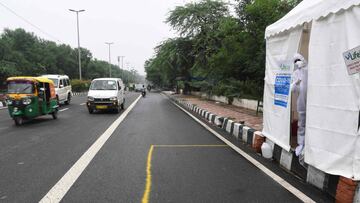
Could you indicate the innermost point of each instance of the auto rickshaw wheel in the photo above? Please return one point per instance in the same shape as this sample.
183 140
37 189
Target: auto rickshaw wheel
18 120
55 114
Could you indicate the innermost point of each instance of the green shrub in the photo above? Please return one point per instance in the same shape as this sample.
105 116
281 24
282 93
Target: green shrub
80 85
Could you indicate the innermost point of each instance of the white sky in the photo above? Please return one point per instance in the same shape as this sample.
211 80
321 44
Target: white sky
135 26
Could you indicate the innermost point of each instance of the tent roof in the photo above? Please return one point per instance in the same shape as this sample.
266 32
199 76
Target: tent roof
307 11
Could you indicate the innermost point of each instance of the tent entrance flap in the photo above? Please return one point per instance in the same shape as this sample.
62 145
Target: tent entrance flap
280 50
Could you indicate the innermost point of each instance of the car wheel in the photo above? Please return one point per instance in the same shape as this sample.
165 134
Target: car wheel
18 121
67 102
91 110
123 105
57 100
118 109
55 114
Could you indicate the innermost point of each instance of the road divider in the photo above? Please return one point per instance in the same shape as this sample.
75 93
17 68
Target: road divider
59 190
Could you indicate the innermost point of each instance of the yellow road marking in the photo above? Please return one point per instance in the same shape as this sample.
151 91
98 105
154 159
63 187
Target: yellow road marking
191 146
146 196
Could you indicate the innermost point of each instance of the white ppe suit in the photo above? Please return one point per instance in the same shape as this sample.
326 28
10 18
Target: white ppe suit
299 85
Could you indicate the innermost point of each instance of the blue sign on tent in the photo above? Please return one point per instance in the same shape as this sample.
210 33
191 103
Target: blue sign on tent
282 89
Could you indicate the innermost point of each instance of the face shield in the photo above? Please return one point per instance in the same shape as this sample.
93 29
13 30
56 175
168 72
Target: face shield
299 61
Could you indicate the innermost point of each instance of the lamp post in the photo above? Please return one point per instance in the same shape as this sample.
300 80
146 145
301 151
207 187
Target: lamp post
109 43
122 65
78 35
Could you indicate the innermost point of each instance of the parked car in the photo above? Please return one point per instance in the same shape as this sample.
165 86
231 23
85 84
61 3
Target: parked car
106 94
63 88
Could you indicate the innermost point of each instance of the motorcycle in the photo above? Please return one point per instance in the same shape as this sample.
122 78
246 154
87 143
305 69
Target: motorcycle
143 93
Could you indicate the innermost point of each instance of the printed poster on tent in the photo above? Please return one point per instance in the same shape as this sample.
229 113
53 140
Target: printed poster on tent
282 86
352 60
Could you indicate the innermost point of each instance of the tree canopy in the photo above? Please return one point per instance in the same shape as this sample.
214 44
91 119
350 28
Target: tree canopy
23 53
224 54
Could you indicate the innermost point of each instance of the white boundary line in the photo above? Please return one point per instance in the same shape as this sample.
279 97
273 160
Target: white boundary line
82 104
59 190
303 197
63 109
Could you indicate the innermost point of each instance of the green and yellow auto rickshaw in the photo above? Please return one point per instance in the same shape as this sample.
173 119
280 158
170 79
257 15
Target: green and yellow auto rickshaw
30 97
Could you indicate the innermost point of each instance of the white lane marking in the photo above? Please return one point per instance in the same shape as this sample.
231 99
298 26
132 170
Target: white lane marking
58 191
3 108
82 104
63 109
303 197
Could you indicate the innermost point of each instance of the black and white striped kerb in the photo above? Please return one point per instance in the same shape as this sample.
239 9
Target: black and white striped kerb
80 93
312 175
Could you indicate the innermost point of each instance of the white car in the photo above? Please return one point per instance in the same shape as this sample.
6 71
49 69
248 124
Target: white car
139 87
106 94
63 89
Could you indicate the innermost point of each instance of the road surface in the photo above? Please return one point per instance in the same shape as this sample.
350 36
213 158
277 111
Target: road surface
157 153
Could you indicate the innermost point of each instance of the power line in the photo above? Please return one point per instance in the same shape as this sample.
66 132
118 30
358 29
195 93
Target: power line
28 22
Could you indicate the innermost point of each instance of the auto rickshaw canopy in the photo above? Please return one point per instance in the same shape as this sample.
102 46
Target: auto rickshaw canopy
29 78
51 92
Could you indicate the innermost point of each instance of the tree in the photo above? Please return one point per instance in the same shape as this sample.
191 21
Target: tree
200 22
227 53
174 61
23 53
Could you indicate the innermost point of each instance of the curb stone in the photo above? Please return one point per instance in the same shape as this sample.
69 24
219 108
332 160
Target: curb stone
237 130
79 93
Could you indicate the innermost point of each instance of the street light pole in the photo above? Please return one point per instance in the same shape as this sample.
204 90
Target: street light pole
122 61
78 35
109 43
122 66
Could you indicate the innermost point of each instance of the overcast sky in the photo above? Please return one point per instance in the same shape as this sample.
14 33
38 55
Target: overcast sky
135 26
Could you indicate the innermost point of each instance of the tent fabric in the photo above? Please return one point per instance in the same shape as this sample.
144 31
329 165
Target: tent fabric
276 105
332 138
307 11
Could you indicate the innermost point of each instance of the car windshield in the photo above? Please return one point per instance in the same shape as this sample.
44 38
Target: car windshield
103 85
56 81
20 87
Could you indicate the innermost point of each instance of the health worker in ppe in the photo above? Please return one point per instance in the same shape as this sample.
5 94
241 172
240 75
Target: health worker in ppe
299 86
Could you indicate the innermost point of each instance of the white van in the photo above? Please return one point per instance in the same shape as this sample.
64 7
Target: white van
139 87
63 89
106 93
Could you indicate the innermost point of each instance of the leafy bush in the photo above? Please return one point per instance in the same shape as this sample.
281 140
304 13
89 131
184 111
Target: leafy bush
248 89
202 86
80 85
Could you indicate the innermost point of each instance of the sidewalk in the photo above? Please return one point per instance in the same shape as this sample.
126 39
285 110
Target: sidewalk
234 113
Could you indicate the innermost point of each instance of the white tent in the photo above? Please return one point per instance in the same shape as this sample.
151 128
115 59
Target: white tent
333 101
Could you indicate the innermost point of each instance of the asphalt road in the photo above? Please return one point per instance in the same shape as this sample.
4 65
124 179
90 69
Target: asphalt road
188 164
